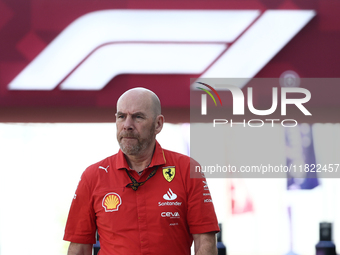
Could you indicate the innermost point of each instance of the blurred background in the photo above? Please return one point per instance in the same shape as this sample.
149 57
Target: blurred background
63 65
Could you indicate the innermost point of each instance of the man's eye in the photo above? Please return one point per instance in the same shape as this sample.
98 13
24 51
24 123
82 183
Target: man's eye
139 116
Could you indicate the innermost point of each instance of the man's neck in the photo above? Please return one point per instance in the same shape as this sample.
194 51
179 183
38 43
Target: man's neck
140 162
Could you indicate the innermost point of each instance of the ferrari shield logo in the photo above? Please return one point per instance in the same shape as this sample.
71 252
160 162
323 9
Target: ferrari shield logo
169 173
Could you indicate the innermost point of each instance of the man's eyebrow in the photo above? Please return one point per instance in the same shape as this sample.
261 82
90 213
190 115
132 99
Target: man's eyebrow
139 113
133 114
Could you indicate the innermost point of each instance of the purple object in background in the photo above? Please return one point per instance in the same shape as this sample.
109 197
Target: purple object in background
300 152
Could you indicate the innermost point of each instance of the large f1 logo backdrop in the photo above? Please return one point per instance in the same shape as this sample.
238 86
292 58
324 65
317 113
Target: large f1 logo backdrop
219 44
70 60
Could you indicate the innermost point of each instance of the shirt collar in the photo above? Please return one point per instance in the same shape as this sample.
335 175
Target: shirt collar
158 158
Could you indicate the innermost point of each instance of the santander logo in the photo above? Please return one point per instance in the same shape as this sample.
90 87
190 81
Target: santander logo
170 195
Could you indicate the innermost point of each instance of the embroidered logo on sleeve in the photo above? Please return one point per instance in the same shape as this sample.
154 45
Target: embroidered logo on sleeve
205 185
111 202
169 173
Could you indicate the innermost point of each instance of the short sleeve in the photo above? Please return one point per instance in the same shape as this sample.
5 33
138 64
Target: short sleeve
81 226
201 213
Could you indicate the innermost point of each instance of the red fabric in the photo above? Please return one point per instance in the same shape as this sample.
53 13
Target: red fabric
144 222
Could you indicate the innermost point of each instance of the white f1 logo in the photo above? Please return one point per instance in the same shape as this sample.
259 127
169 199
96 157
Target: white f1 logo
103 44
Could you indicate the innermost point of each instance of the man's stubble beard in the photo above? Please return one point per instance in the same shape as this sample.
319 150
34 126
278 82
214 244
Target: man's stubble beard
142 144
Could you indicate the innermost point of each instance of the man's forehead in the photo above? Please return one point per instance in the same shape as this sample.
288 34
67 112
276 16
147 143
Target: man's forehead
133 105
132 112
134 108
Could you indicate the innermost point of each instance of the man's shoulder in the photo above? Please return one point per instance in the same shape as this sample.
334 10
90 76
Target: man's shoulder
178 157
186 165
175 154
103 164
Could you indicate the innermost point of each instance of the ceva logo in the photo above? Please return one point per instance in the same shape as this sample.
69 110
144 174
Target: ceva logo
100 45
170 214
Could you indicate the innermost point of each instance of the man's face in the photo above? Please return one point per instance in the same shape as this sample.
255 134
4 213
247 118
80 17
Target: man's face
135 122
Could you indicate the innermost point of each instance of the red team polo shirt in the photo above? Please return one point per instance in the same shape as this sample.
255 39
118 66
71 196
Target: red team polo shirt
158 218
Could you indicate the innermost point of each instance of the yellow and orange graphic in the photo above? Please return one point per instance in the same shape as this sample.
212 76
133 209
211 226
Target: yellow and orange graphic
111 202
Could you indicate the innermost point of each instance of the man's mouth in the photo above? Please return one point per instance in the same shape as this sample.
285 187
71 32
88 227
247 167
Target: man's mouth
128 137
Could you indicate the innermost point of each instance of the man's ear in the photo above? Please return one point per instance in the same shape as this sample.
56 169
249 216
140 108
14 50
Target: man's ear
159 123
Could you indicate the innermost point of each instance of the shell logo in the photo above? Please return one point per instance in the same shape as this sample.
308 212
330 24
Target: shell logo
111 202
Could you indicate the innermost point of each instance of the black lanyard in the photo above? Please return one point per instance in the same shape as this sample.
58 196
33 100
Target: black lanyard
135 184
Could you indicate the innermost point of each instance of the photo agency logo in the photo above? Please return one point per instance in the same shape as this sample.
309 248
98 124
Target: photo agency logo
302 96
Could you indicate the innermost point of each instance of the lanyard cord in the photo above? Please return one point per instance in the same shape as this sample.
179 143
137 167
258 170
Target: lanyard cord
135 184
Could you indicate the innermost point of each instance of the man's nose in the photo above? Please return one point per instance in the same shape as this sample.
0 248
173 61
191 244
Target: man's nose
128 123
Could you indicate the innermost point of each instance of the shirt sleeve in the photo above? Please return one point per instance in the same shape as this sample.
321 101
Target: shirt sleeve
81 225
201 213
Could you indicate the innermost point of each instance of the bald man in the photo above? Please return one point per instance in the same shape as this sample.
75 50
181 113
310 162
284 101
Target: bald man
142 199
